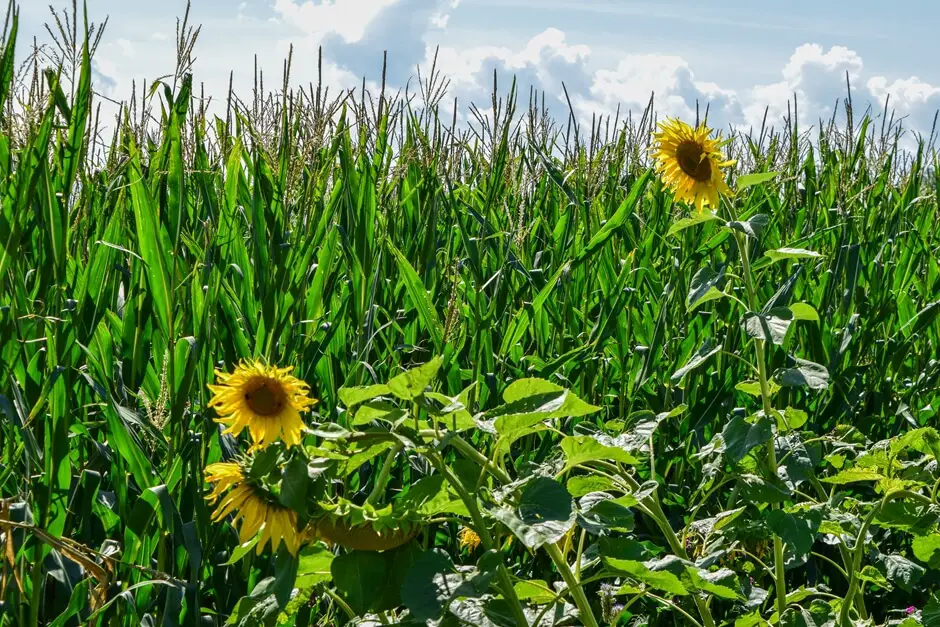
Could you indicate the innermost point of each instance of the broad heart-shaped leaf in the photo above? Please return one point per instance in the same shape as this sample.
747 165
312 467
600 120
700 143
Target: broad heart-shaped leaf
706 351
911 517
852 475
330 431
758 490
797 529
429 585
660 580
545 513
411 383
749 180
819 613
433 583
285 569
258 609
537 390
754 619
771 326
931 613
705 281
294 485
797 461
627 549
790 419
354 396
924 440
377 410
753 387
802 311
927 550
580 449
808 373
357 576
872 575
432 496
902 572
792 253
530 401
585 484
697 218
600 512
722 583
534 590
753 226
644 423
741 436
314 566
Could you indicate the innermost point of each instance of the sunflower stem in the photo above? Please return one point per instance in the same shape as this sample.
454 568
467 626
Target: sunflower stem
574 586
382 480
780 585
502 573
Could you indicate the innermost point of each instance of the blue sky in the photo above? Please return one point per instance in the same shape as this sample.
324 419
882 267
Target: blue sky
740 56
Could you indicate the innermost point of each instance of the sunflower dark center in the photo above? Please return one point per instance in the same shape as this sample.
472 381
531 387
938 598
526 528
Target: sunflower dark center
693 162
267 398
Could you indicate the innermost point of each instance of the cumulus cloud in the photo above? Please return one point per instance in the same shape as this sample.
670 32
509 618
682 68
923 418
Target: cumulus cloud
911 98
354 34
814 75
670 79
547 63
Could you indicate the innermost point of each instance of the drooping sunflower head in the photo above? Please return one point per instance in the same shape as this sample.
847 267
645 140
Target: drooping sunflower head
266 399
690 162
255 508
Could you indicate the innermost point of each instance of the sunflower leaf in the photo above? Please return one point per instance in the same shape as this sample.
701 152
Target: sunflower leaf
750 180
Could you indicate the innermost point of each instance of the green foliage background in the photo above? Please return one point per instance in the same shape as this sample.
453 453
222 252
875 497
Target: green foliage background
355 238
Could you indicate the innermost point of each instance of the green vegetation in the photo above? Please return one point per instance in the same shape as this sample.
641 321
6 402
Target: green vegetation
642 413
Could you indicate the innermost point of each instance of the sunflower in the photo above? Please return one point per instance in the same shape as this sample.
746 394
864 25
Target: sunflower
690 163
468 538
255 507
266 399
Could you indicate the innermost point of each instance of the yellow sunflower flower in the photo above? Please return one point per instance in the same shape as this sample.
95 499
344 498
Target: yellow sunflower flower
468 538
254 507
266 399
690 163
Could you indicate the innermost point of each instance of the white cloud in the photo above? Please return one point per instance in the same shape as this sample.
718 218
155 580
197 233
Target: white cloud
814 75
348 18
912 98
355 33
547 63
126 47
817 79
670 80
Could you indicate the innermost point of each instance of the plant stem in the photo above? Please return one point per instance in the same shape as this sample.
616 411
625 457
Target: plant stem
577 592
382 480
36 589
502 573
655 511
467 450
780 586
860 548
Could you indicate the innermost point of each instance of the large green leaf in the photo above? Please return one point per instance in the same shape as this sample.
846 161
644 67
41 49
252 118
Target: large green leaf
740 436
544 514
581 449
658 580
797 529
411 383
